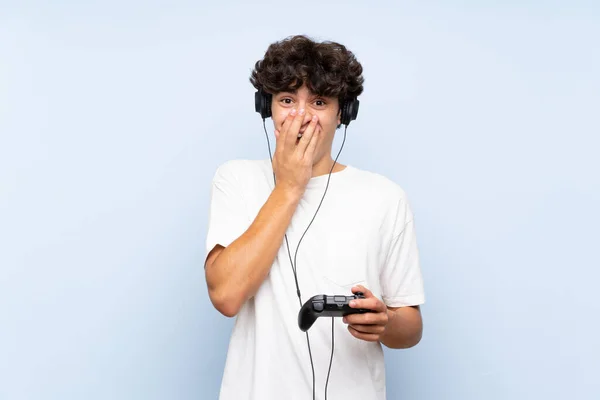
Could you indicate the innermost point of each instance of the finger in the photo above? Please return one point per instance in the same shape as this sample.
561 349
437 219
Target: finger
285 127
311 147
366 319
376 329
288 120
308 134
369 337
278 142
291 134
371 303
364 290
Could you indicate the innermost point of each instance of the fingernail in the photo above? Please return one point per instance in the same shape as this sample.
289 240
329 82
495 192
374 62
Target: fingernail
352 303
314 118
293 112
301 112
345 320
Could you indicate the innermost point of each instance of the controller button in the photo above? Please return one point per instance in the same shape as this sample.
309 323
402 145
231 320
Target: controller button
318 306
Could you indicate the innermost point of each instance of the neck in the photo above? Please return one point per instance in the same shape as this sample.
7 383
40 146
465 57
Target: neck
323 167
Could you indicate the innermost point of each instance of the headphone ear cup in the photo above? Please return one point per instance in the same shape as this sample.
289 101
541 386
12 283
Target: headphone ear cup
258 102
349 111
262 104
268 99
344 117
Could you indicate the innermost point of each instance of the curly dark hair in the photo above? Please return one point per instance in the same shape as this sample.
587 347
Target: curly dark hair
327 68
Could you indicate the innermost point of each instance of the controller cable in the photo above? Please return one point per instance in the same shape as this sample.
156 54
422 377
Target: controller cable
294 263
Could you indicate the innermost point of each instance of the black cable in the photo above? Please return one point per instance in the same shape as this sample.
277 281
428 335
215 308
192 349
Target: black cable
331 359
294 264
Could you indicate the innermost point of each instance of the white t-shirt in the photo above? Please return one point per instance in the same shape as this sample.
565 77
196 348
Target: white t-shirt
364 233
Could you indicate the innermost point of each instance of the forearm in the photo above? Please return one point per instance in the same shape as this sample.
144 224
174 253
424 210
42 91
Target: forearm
240 268
404 328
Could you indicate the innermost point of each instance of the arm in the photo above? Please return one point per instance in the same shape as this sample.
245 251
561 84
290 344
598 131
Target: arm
402 284
404 327
234 273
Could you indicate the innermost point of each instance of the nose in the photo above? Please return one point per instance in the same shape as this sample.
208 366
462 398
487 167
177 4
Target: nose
306 120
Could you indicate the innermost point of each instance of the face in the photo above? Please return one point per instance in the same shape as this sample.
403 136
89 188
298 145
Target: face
326 108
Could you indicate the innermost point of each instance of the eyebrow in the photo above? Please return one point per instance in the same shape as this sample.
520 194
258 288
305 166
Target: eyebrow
295 92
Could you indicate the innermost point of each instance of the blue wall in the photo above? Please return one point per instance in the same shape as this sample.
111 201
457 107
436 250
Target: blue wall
113 118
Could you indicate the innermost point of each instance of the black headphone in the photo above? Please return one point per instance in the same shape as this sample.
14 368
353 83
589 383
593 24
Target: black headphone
262 105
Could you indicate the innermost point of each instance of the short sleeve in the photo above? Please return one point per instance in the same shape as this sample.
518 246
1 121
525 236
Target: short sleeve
227 217
401 277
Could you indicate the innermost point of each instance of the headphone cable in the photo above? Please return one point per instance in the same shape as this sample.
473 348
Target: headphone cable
294 263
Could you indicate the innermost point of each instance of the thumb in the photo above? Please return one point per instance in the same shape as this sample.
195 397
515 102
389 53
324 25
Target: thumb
364 290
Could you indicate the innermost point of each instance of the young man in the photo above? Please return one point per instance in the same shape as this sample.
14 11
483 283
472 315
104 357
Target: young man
303 221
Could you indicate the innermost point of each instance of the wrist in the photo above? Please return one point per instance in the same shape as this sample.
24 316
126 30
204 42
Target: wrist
390 318
290 194
388 335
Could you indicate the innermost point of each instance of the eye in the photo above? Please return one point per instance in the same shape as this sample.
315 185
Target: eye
320 102
286 100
